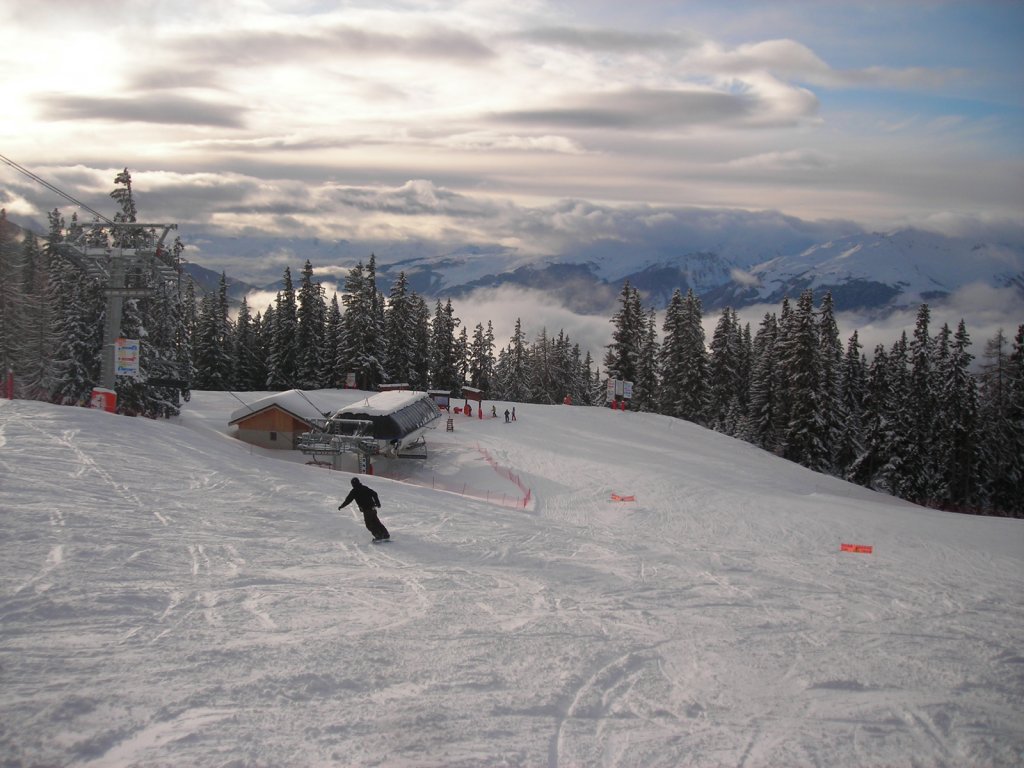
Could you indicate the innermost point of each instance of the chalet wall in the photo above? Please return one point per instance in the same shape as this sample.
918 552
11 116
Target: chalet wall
272 428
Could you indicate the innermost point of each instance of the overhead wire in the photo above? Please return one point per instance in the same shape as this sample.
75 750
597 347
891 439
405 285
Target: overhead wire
40 180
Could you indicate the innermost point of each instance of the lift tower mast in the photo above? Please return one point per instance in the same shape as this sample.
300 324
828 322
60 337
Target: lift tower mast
112 263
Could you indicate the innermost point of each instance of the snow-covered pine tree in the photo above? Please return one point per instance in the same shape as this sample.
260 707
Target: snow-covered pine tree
893 476
127 213
444 364
671 356
830 361
481 358
579 377
160 357
363 326
596 390
804 437
462 355
282 365
419 377
262 327
1015 417
35 361
692 382
739 407
310 365
538 370
645 387
182 353
761 422
245 351
189 323
399 332
1000 436
956 434
921 473
852 382
627 337
561 367
77 309
12 297
214 363
375 343
513 366
332 345
724 385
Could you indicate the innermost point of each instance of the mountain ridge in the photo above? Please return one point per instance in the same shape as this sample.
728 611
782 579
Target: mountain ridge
871 271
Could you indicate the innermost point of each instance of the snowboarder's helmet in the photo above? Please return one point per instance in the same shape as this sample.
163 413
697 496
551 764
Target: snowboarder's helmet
355 481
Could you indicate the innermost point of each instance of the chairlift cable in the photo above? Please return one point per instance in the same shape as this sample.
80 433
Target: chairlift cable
52 188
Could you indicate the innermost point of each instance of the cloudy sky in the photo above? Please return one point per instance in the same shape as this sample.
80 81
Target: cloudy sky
534 125
407 119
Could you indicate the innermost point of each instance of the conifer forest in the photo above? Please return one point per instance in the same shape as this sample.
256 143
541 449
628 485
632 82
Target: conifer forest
921 419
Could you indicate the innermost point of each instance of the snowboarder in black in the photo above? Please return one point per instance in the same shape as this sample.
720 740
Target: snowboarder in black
367 500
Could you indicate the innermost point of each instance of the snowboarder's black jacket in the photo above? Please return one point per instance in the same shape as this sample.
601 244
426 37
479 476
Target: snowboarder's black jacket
365 498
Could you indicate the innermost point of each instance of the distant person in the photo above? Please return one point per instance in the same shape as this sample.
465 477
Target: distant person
506 415
494 411
368 502
513 413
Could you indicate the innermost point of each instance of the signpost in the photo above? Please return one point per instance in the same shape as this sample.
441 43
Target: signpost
126 357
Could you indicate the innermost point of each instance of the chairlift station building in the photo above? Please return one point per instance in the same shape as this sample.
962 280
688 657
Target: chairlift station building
385 424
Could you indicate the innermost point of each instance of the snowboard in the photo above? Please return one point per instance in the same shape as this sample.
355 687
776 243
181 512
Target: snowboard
380 541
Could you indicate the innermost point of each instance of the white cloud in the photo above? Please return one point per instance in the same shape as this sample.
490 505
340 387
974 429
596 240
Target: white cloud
792 159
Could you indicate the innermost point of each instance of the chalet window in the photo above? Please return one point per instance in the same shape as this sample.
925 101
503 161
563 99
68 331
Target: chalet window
273 435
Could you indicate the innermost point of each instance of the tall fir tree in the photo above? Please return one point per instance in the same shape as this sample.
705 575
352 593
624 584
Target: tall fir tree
77 311
311 368
282 367
333 345
214 361
12 296
400 333
36 340
835 416
956 435
481 358
627 336
444 352
420 350
645 387
762 420
804 439
1000 435
922 478
724 373
852 381
245 351
671 356
363 326
512 366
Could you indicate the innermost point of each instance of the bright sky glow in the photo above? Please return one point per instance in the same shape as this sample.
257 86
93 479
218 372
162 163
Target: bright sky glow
463 120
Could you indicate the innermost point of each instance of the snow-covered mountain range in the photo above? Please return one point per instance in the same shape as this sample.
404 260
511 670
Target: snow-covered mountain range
871 271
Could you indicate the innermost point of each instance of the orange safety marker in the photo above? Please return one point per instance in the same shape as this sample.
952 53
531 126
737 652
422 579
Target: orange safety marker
616 497
862 548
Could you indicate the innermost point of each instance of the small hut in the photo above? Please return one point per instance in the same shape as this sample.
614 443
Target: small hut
276 421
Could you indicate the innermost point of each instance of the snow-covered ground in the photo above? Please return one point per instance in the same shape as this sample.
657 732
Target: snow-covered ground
171 597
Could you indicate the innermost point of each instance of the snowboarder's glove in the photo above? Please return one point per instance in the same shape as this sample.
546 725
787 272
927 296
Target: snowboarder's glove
340 506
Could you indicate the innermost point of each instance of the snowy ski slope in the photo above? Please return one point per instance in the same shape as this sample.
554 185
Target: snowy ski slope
170 597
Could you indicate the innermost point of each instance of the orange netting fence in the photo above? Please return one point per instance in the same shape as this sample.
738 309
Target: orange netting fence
500 498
